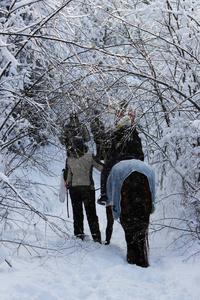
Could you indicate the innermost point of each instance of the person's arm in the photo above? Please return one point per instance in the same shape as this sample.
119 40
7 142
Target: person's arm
138 145
69 174
97 164
85 133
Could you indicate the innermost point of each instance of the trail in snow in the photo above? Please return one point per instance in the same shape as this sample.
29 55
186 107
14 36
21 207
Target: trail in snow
87 270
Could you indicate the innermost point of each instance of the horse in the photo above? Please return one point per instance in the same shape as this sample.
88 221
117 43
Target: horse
131 196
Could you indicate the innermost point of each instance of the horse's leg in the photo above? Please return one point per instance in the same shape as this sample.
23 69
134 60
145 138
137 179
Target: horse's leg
109 228
131 243
137 249
146 209
127 221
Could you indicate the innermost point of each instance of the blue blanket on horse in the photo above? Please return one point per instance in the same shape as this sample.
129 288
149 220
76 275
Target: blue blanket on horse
115 180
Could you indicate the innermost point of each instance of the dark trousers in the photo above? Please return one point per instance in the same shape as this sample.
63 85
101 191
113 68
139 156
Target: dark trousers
84 195
105 172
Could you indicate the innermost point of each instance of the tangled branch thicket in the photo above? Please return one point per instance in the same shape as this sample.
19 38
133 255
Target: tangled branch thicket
85 57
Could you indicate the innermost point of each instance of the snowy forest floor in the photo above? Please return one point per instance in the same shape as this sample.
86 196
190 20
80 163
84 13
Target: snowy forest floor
88 270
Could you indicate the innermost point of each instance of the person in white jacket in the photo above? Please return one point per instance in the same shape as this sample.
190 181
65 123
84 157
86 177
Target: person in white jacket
79 167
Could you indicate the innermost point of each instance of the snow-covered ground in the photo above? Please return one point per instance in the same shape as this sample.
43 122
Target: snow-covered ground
88 270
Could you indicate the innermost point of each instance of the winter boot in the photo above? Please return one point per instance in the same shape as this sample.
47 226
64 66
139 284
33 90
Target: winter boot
102 200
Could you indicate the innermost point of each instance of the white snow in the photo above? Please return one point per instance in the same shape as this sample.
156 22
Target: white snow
8 54
196 124
3 254
3 177
88 270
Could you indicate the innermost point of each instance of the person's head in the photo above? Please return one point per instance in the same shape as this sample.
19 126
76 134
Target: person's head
96 112
124 122
127 119
77 147
73 117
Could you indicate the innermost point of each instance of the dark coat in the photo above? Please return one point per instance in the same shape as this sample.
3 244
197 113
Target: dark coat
125 141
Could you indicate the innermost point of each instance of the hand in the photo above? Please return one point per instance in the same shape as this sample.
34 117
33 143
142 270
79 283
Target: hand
64 174
69 184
